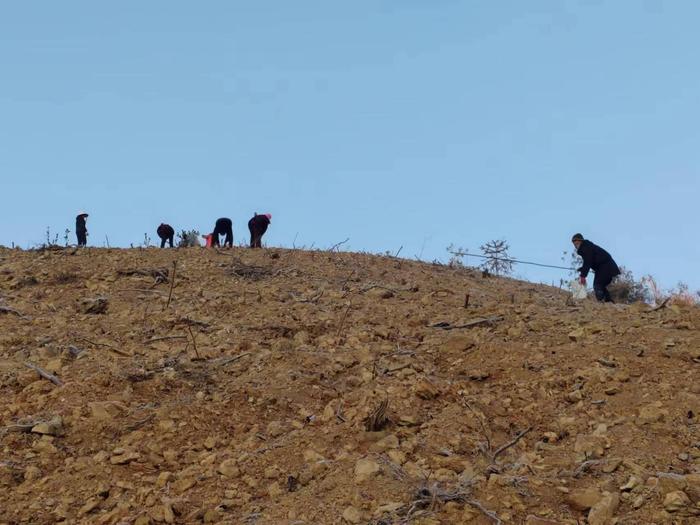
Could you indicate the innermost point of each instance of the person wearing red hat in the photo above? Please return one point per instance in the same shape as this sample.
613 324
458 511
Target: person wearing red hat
258 226
81 228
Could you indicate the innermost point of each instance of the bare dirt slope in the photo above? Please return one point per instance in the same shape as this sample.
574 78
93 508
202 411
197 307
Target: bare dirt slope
535 417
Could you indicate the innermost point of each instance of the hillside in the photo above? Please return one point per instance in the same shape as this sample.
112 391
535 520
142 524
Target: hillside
546 410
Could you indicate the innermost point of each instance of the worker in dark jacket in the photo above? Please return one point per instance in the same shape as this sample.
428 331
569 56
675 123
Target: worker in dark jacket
597 259
166 233
258 226
81 228
223 226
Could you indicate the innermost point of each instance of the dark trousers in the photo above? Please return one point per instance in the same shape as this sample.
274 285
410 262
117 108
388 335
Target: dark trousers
603 277
82 237
169 239
228 240
256 238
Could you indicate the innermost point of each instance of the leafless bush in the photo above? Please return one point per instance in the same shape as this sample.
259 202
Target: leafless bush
498 262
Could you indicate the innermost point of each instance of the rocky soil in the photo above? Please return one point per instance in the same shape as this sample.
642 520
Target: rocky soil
290 387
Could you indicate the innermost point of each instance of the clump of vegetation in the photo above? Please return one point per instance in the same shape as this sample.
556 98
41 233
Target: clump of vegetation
188 238
625 289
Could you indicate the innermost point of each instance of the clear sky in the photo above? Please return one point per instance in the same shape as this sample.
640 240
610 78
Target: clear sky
414 123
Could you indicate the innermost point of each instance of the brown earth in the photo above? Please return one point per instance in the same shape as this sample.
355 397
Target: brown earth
547 411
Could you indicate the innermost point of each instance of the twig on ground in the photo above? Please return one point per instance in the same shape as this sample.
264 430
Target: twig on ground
227 360
172 284
105 345
140 290
8 310
583 467
43 373
489 513
482 425
476 322
194 343
164 338
342 321
506 446
662 305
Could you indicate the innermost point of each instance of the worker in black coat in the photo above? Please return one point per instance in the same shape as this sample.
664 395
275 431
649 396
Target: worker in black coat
81 228
597 259
223 226
166 233
258 226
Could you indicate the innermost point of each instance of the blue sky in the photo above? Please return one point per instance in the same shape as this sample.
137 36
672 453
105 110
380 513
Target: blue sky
394 123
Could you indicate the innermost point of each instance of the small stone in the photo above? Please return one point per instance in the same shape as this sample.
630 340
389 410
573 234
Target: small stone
684 456
365 469
164 478
638 502
611 465
143 519
123 459
651 414
106 410
31 473
631 484
209 443
676 500
274 490
603 512
183 484
426 390
577 334
50 428
352 515
583 499
387 443
94 306
89 506
275 429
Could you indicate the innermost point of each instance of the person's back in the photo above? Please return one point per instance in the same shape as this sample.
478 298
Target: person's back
600 261
223 226
258 226
596 257
166 233
81 228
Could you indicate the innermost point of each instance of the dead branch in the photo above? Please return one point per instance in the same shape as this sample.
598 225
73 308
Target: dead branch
345 282
105 345
476 322
583 467
8 310
227 360
489 513
342 321
140 290
336 245
482 425
172 284
377 419
313 299
43 373
164 338
505 447
382 287
662 305
194 343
